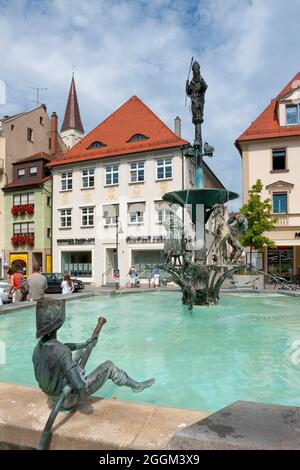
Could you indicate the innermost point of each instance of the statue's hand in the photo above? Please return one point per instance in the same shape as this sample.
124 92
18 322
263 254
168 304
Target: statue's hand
92 341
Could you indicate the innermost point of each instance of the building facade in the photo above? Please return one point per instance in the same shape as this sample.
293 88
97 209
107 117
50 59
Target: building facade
22 135
108 211
270 150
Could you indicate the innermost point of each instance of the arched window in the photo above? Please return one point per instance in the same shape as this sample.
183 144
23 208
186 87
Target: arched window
96 145
137 137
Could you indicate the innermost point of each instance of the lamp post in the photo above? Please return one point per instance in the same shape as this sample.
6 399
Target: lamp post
118 230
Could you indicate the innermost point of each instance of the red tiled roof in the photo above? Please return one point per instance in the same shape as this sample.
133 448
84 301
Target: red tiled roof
266 125
72 119
34 157
20 184
133 117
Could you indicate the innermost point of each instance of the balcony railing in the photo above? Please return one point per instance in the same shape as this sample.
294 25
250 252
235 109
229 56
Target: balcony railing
287 220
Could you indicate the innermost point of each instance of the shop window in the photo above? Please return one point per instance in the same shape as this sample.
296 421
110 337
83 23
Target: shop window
77 263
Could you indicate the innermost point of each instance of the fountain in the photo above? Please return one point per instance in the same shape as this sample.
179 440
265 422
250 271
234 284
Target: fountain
200 272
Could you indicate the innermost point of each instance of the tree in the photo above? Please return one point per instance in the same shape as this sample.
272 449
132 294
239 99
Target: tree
259 215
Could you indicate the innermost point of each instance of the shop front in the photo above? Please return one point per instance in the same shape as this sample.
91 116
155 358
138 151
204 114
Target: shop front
77 263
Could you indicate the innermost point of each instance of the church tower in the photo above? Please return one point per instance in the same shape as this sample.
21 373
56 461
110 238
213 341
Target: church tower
72 129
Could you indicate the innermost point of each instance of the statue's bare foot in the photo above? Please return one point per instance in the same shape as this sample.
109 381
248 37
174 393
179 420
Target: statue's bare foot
142 385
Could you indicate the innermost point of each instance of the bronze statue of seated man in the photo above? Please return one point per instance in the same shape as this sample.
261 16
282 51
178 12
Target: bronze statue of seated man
55 367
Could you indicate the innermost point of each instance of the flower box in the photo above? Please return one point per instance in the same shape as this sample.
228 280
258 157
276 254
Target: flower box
22 210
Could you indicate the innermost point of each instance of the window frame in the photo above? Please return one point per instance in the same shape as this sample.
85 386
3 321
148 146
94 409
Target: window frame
90 213
137 171
137 221
274 150
111 174
291 105
25 228
29 134
280 193
67 179
88 177
33 168
29 199
164 166
67 216
23 175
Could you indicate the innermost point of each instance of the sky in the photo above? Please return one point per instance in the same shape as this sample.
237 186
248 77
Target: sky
248 50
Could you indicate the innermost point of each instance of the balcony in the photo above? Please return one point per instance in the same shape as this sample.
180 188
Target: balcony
22 239
287 220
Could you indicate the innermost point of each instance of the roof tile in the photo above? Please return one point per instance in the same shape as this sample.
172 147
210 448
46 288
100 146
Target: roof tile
133 117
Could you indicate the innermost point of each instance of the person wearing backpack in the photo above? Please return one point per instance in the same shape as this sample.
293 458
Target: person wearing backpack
17 285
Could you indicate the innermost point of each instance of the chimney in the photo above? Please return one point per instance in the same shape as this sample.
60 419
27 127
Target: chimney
53 133
177 122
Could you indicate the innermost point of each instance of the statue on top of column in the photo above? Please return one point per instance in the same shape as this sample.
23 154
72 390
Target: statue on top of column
195 90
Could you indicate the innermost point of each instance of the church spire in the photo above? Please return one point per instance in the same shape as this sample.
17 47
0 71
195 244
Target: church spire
72 119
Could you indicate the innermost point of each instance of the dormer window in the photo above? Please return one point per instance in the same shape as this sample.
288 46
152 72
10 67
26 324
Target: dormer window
137 137
292 114
96 145
21 173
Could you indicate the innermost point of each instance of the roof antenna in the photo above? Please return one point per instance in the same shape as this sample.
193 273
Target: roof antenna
38 89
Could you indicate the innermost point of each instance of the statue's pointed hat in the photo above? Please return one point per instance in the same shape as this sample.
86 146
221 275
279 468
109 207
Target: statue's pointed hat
50 315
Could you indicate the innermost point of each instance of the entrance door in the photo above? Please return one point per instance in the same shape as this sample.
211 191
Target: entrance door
19 260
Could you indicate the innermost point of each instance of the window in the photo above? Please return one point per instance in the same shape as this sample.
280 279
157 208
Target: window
12 127
22 199
280 203
29 134
111 214
137 173
162 215
137 137
136 217
292 114
279 159
112 174
87 217
33 171
49 201
65 218
280 261
66 181
164 168
41 121
88 178
21 173
23 228
49 232
96 145
49 143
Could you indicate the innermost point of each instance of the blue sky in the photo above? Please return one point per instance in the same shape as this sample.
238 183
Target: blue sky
248 50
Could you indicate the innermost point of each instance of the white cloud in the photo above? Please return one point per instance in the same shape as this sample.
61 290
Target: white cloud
247 49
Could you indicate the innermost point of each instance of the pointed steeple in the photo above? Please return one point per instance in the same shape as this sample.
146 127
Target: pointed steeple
72 119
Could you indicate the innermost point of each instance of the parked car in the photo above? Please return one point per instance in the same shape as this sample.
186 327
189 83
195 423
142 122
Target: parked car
4 292
54 281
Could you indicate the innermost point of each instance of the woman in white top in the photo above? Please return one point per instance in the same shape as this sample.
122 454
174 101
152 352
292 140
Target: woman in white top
67 285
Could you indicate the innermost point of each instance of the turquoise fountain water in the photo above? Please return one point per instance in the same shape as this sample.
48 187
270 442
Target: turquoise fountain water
240 349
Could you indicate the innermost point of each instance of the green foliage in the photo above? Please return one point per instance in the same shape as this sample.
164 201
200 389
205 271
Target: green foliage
259 215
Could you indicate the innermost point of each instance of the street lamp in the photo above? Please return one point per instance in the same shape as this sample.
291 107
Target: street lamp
118 230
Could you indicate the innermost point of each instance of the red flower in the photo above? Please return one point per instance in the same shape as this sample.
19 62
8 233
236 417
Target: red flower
15 210
22 210
30 209
30 240
15 240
